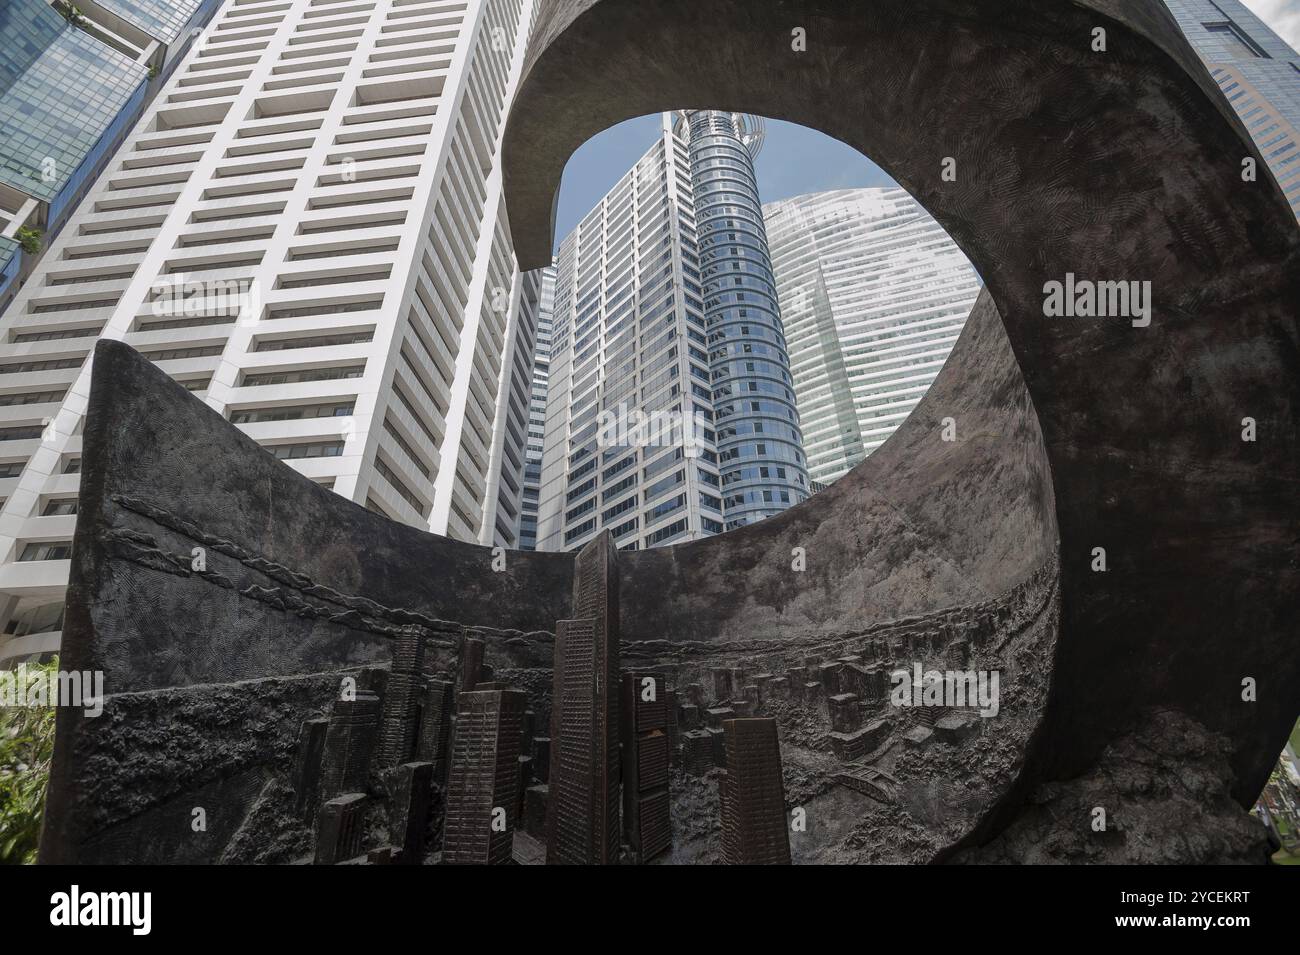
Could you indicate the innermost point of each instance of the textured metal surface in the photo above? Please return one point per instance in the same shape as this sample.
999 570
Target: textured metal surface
754 826
483 791
1122 165
583 822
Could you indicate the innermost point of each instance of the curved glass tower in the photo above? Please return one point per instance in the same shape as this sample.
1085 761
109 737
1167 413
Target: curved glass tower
760 445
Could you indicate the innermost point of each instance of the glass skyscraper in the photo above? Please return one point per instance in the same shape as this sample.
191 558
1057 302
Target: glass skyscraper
873 295
164 19
60 89
70 90
760 445
1258 73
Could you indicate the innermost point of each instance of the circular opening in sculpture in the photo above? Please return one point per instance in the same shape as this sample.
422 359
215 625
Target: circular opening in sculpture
739 311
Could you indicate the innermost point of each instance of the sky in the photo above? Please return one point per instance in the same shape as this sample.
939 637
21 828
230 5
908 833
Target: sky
794 160
1283 16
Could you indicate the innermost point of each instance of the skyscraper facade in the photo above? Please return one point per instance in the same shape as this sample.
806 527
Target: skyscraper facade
668 381
760 445
306 230
630 341
537 410
873 295
1257 72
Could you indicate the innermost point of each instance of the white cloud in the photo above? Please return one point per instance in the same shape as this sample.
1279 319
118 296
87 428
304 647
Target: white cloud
1283 16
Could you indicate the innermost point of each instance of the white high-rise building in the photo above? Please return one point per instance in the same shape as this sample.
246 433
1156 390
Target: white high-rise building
1257 72
629 338
670 411
873 295
306 229
537 409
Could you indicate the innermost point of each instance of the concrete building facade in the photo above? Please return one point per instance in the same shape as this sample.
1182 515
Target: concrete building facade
630 341
537 410
306 229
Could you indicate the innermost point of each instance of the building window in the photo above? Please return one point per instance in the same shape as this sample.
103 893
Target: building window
49 550
1238 42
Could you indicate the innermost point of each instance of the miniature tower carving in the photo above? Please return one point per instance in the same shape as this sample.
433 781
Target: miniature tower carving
482 793
583 810
754 828
646 757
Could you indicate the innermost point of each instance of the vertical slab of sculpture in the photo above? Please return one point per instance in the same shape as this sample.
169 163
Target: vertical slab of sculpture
339 829
542 759
412 801
570 810
754 830
644 725
307 768
721 683
402 698
349 745
435 727
481 795
470 663
583 810
674 737
846 715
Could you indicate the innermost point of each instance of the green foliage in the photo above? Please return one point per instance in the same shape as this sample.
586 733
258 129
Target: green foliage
26 745
70 13
29 239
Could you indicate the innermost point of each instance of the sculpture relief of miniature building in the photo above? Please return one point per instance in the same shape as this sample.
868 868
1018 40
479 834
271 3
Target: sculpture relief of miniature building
339 831
305 778
402 699
583 809
349 744
697 752
754 830
409 811
471 667
482 793
435 727
646 757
